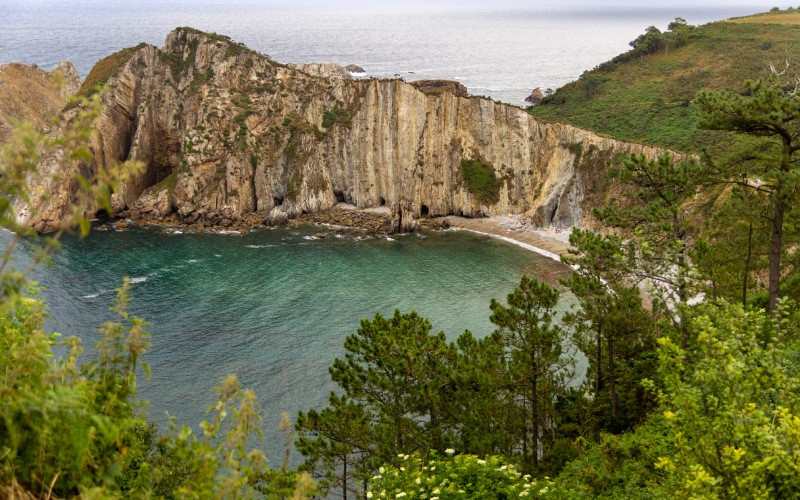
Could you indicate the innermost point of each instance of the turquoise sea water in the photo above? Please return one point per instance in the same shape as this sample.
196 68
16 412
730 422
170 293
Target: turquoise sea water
274 306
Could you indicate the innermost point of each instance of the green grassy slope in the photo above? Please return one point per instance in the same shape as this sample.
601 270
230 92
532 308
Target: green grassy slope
648 99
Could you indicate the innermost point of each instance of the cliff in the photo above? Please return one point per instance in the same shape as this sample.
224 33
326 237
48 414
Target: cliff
31 93
227 134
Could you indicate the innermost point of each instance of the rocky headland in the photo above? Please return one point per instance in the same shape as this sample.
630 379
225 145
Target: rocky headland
231 138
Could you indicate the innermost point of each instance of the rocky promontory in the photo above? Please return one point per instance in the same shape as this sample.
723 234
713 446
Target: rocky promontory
228 135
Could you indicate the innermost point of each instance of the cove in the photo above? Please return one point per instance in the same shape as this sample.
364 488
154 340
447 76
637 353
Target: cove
275 306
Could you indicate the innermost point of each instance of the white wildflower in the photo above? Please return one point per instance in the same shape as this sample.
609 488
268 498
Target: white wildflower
418 480
481 462
543 490
369 494
402 469
381 470
523 494
449 451
435 492
400 495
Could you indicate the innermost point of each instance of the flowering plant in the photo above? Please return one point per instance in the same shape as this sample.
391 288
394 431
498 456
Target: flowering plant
453 476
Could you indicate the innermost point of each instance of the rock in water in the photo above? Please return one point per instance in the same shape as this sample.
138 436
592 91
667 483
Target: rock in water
403 218
436 87
352 68
536 96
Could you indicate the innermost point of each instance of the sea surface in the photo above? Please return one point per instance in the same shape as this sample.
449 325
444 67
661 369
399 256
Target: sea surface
501 49
273 307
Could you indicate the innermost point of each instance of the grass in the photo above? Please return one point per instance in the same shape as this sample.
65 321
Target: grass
481 180
650 99
789 16
106 68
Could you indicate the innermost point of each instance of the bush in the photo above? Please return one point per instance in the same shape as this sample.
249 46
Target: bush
453 476
481 180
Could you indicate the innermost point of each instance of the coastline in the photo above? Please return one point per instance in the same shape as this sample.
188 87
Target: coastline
548 243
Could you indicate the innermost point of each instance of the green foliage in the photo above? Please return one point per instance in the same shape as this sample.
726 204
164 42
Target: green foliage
63 428
454 476
660 227
733 412
613 330
769 113
295 182
537 369
71 430
481 180
335 115
621 466
648 97
406 390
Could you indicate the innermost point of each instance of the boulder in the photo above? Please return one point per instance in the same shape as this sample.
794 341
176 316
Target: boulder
403 218
536 96
352 68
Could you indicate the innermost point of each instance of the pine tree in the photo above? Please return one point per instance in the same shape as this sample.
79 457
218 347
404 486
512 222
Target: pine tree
770 113
537 368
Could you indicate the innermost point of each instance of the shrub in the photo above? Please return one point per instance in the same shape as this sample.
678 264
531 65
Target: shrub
481 180
453 476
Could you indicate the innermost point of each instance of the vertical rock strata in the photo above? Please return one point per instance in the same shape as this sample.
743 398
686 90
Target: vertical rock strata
226 133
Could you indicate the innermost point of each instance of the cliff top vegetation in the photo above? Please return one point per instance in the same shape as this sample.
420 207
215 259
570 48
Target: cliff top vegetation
646 94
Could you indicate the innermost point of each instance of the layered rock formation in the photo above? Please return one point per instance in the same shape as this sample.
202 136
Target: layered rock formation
323 70
227 134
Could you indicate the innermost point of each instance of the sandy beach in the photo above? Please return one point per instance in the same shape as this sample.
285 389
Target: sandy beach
551 243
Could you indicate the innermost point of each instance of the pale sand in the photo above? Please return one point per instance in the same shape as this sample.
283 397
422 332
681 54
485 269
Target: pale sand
549 243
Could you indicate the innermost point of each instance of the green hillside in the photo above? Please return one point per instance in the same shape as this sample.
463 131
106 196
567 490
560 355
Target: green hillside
646 94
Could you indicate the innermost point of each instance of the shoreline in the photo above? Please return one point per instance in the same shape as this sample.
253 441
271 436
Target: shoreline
551 245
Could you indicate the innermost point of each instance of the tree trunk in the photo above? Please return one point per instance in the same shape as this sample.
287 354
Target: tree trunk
599 358
525 436
344 479
776 244
682 295
535 420
747 264
611 378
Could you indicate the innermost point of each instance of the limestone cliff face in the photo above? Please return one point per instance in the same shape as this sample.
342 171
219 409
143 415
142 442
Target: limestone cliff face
227 134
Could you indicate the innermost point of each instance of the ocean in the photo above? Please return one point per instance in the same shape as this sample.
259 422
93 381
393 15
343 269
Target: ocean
498 49
274 306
